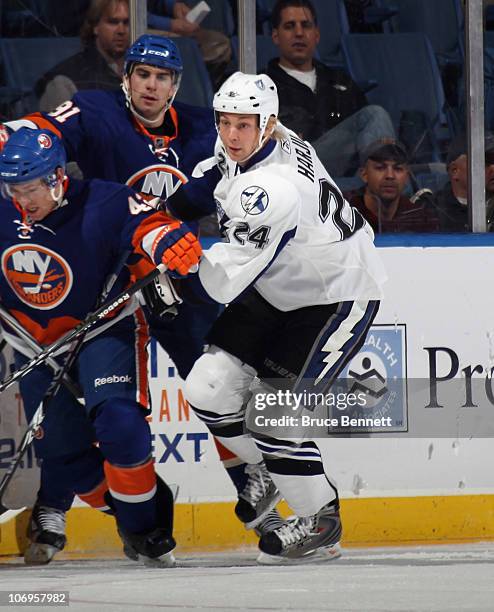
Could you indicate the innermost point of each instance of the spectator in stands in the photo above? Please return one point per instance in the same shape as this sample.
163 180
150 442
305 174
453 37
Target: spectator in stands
323 105
168 17
451 201
105 38
381 201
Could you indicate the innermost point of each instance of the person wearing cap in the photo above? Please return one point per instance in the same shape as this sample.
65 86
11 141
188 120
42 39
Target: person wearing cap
384 170
452 200
321 104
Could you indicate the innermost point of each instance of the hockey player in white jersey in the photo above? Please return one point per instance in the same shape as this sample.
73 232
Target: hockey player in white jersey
303 279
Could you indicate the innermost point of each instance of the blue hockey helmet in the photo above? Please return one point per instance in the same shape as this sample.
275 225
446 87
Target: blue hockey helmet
31 154
154 50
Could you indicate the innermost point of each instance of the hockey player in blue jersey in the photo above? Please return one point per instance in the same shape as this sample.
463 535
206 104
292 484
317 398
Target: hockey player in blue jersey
142 138
59 240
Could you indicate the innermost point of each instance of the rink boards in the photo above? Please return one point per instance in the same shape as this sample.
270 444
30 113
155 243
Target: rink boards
417 481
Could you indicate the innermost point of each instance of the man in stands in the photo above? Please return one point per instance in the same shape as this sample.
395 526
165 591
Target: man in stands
452 200
105 39
381 201
320 104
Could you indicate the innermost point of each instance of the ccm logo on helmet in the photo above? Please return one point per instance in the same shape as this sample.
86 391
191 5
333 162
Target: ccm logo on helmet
163 53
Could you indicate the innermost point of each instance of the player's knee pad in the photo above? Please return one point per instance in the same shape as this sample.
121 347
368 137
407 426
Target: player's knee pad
218 387
122 431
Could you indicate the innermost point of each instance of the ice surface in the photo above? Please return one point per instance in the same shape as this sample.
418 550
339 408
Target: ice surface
432 579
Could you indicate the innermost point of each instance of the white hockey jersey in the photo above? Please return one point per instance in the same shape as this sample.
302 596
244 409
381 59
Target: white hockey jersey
288 230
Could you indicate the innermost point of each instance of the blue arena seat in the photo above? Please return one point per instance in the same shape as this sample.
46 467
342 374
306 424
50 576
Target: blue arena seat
333 25
407 80
195 87
265 50
220 18
25 60
442 21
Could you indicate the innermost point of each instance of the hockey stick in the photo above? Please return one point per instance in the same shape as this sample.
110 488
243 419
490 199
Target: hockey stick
91 320
37 348
56 382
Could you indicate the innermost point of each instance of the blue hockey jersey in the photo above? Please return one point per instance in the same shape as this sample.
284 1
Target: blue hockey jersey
107 142
54 270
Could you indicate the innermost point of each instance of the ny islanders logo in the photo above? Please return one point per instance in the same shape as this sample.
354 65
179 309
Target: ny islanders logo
156 182
254 200
38 276
45 141
379 371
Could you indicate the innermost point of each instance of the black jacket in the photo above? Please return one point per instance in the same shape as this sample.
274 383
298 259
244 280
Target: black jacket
453 215
311 114
87 69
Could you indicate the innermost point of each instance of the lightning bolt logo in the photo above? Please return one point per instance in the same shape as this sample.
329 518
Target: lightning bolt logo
337 340
254 200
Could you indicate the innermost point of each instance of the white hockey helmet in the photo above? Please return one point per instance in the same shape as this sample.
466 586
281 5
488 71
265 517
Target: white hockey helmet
248 94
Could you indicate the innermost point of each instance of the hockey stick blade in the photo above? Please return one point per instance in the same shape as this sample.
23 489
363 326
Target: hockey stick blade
85 325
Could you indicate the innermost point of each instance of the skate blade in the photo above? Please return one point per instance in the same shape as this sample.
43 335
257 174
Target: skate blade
166 560
39 554
319 555
130 553
267 510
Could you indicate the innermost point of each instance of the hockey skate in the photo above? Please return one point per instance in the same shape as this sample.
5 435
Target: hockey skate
309 539
46 531
165 498
258 497
271 521
154 548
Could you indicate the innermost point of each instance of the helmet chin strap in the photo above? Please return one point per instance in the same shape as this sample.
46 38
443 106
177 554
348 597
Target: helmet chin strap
58 192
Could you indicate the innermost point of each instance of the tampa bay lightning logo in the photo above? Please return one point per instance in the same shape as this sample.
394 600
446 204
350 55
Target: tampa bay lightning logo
254 200
260 84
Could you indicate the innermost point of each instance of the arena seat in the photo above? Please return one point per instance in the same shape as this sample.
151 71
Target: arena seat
407 80
195 87
25 60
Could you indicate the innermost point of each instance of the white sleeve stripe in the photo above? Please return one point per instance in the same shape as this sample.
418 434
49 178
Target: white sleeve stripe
148 242
133 499
19 123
